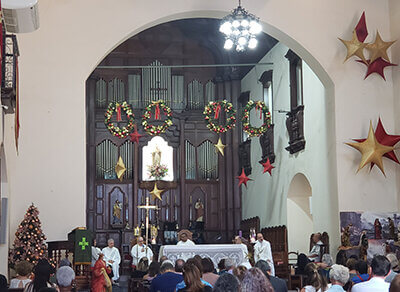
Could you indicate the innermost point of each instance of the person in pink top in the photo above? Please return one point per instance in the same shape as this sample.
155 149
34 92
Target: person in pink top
208 271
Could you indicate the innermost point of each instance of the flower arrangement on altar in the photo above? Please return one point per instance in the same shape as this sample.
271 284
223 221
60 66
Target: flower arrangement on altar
157 171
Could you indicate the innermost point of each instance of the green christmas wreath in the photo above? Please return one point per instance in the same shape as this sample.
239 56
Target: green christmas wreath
115 130
158 107
215 107
247 127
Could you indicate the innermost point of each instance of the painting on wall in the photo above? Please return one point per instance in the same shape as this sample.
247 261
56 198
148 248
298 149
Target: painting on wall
384 225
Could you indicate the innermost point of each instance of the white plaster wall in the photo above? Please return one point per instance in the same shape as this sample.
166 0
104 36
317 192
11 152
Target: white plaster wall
266 196
75 35
301 226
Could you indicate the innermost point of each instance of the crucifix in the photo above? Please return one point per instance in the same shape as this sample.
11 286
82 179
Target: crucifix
147 207
158 89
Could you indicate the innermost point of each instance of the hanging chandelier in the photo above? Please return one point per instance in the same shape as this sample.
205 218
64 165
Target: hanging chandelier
240 29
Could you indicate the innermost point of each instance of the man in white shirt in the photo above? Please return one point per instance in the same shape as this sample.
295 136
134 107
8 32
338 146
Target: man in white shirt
380 266
112 258
139 251
315 251
262 251
184 240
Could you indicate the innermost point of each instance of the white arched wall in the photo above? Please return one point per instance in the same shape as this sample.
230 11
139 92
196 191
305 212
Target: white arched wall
75 35
299 217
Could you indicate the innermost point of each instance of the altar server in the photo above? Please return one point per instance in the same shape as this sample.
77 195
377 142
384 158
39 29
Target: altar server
246 262
95 252
112 258
184 238
262 251
139 251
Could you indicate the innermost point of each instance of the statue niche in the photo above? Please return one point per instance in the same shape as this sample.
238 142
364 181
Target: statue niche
157 160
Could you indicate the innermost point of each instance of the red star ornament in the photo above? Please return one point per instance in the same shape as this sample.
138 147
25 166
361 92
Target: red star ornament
267 167
361 28
243 178
385 139
376 66
135 136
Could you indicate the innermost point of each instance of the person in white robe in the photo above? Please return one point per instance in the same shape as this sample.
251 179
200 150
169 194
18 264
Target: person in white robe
184 238
246 261
112 258
139 251
315 251
262 251
95 252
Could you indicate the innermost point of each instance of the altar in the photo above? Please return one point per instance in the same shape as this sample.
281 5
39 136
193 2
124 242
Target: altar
215 252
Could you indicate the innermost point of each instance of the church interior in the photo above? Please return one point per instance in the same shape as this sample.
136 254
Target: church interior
152 121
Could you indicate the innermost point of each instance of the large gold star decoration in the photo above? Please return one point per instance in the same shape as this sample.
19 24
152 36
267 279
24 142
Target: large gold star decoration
120 168
379 48
156 193
371 150
220 147
354 47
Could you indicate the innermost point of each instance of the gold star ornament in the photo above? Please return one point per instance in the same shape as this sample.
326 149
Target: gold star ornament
156 193
120 168
371 150
378 49
354 47
220 147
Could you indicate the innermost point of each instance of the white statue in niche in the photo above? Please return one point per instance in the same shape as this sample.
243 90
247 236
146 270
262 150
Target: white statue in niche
157 162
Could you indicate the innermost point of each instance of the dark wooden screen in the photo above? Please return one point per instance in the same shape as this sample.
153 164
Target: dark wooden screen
198 171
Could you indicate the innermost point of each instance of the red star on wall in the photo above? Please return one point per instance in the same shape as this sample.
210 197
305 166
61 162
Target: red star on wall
135 136
385 139
243 178
377 67
267 167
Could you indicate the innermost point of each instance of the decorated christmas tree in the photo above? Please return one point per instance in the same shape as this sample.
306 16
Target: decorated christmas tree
29 242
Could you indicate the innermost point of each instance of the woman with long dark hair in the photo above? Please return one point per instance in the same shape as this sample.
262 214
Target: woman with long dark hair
42 272
192 278
315 282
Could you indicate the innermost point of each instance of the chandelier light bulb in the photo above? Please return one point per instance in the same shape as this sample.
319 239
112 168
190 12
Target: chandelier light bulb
228 44
253 43
226 28
255 27
236 23
239 48
245 32
245 23
242 41
236 32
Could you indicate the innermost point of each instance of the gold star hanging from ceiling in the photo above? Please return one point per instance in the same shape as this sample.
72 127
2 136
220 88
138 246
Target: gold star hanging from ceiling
354 47
220 147
379 48
371 150
120 168
156 193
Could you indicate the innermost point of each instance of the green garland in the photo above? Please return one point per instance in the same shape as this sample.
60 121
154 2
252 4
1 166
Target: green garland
115 130
152 129
259 106
215 107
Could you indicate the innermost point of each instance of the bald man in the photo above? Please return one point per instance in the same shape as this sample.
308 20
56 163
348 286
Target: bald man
262 251
139 251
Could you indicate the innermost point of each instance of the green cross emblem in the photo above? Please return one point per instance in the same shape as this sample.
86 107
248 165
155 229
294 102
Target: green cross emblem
83 243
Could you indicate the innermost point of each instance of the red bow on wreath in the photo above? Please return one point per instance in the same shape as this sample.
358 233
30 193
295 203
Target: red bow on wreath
119 118
217 111
157 112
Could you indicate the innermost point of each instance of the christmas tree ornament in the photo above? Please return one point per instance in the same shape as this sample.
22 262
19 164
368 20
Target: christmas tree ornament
219 147
120 168
354 47
371 150
378 49
267 167
156 193
243 178
361 29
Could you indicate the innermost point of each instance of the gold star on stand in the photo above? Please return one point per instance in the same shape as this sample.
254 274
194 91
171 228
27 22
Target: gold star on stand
120 168
156 193
379 48
220 147
371 150
354 47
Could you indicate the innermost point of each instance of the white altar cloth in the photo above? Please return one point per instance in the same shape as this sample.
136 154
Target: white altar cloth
215 252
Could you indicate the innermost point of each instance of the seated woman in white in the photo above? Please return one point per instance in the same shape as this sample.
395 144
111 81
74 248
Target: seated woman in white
184 238
23 270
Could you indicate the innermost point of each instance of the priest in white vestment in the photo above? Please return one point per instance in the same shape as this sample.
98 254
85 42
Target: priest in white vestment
262 251
139 251
112 258
184 238
246 261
